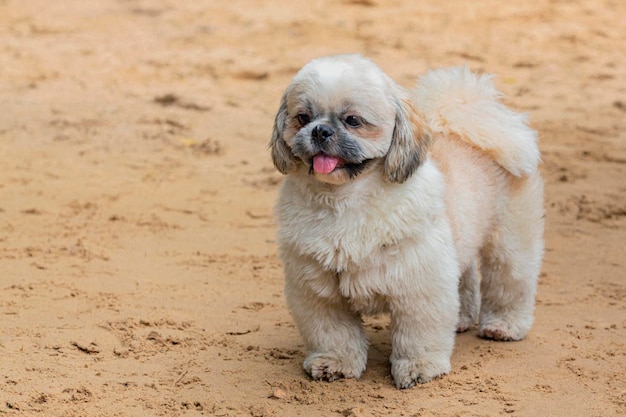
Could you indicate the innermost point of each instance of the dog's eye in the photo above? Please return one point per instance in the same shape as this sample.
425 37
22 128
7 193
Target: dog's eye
303 119
353 121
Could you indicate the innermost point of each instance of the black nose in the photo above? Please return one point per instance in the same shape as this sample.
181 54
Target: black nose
322 133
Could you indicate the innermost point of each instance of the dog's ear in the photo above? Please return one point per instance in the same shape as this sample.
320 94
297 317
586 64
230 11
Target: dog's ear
409 144
283 158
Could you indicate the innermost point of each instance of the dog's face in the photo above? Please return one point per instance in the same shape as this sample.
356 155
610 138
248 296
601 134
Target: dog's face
341 117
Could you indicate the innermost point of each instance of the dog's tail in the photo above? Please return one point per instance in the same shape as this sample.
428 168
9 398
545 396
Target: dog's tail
457 101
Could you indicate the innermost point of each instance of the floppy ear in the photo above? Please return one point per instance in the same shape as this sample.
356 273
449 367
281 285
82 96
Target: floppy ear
283 159
409 144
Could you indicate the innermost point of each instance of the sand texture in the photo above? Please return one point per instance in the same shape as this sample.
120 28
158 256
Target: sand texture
139 273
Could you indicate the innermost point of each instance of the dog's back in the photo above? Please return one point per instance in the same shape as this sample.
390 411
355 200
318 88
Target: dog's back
489 157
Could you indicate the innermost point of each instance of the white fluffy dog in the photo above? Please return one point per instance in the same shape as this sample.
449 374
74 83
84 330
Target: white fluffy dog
400 201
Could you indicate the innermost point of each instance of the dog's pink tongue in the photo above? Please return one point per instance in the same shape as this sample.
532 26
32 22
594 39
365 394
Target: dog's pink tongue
325 164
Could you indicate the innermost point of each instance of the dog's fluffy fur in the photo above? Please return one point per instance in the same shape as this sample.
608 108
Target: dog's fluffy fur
401 201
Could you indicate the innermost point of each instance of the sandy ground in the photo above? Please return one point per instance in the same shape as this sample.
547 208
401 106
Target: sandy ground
138 265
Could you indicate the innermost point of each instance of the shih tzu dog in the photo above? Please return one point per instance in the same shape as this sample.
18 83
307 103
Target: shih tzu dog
426 204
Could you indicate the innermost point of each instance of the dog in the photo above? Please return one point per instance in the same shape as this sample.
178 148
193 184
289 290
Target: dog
426 204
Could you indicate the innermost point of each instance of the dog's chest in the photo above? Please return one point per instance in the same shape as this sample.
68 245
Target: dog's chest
357 252
360 250
342 242
366 288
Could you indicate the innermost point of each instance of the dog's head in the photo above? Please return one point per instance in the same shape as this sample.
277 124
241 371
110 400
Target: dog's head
342 116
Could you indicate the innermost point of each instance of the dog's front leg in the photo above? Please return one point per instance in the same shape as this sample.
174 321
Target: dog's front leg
422 331
334 336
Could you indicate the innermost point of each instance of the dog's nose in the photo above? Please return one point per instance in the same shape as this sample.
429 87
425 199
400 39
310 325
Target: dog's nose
322 133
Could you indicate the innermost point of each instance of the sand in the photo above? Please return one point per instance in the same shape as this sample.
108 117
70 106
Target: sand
138 263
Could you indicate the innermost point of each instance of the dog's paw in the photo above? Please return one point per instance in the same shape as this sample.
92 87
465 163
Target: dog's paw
407 373
501 331
327 367
465 323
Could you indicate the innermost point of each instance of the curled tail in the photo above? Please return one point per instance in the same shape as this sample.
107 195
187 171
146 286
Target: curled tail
458 101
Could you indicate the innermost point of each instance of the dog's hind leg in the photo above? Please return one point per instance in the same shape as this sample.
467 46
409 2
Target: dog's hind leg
511 262
469 293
